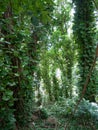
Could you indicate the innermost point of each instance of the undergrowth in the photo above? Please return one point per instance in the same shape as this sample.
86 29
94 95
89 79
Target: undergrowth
85 118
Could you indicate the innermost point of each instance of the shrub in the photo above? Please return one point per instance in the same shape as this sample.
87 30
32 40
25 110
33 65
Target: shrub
63 107
87 110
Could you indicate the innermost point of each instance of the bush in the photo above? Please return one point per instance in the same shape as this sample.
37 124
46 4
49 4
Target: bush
88 110
63 107
43 113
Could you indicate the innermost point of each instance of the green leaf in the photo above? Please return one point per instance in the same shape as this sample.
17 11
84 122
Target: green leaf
7 95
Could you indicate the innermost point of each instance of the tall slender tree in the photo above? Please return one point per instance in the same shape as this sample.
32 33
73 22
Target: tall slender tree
84 30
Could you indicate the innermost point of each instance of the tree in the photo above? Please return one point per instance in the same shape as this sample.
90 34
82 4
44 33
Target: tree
84 30
16 91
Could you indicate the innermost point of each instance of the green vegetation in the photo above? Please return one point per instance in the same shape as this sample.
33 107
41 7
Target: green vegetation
84 30
48 65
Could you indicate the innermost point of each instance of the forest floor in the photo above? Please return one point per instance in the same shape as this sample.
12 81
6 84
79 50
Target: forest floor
40 125
57 122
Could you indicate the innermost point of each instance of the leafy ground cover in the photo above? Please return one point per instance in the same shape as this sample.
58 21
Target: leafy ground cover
59 113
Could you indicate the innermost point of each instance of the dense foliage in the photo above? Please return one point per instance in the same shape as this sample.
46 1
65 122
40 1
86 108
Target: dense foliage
44 64
84 29
18 56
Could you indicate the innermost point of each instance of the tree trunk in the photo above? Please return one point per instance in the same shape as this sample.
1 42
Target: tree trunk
84 26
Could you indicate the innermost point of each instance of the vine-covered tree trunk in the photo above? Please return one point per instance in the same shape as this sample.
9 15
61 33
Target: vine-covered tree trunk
13 85
19 96
55 85
46 78
32 52
84 26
